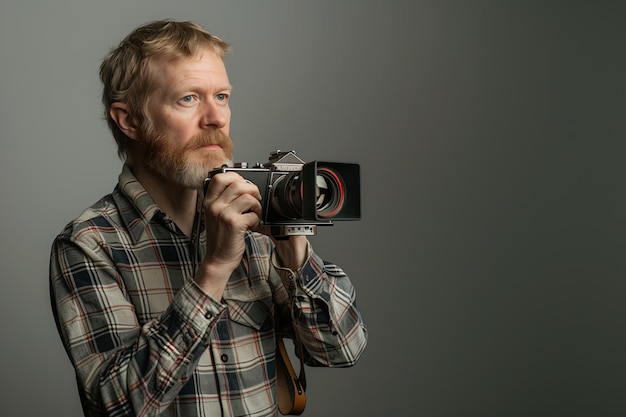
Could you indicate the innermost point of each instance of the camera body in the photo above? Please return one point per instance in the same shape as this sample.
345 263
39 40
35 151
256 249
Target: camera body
298 196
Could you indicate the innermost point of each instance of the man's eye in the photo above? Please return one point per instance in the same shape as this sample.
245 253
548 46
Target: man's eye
222 97
187 99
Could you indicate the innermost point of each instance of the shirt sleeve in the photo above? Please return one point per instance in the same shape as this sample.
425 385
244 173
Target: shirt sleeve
122 367
323 312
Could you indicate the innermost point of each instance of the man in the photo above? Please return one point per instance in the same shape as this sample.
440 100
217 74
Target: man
167 298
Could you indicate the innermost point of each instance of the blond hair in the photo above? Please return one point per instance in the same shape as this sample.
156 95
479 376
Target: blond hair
127 73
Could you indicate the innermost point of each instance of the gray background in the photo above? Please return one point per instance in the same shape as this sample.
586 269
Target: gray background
489 260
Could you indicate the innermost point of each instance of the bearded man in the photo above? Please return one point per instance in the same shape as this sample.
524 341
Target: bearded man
168 298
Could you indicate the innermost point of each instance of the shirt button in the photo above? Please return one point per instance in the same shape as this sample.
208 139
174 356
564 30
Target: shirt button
224 357
208 315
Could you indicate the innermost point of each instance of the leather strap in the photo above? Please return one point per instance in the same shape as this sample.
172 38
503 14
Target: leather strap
291 389
291 392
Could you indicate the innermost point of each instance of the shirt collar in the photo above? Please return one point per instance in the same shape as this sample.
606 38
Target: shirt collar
136 206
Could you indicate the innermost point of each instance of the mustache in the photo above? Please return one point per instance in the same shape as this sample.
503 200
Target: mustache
211 137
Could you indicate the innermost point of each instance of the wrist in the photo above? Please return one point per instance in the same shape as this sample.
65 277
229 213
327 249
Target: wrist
212 278
292 253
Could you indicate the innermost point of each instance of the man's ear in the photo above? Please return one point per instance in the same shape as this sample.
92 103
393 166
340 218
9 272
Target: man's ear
124 120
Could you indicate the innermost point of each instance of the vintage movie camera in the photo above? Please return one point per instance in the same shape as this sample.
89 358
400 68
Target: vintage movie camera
298 196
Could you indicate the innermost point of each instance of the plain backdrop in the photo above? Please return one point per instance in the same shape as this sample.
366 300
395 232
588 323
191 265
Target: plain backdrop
489 260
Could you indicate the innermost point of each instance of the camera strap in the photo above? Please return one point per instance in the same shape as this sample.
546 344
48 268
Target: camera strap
291 389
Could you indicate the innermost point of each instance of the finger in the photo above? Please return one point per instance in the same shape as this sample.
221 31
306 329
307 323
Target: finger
252 219
229 186
219 183
244 211
245 203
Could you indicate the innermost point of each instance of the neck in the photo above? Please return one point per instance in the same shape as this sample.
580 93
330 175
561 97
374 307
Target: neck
177 201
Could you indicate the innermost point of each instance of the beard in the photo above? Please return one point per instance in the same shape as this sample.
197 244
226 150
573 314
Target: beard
187 165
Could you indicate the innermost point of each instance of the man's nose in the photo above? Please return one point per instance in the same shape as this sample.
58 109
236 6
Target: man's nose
214 115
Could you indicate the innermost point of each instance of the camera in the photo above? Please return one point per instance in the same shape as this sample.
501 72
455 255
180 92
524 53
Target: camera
298 196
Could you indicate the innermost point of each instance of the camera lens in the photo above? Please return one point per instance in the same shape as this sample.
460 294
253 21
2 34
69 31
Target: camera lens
287 195
330 193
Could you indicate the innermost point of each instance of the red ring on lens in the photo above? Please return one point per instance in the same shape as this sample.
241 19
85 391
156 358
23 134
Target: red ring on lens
339 204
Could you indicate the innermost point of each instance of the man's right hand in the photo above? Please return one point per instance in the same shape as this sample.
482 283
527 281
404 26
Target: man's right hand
232 205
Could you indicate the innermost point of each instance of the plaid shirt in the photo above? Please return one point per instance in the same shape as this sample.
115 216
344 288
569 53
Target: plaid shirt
145 340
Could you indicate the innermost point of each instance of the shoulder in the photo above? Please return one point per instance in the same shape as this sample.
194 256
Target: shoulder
94 223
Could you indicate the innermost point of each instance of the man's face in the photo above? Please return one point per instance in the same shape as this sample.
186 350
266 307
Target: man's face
190 120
